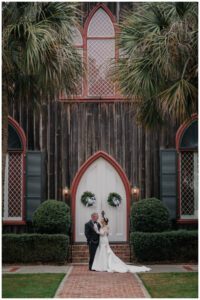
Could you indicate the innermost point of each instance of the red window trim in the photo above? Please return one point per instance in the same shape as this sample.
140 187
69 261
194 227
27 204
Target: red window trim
83 31
181 131
179 135
22 135
14 222
187 221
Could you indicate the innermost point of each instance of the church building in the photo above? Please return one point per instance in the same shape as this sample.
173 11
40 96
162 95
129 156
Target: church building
91 142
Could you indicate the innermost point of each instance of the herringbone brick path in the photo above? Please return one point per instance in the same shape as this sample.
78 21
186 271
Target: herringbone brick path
82 283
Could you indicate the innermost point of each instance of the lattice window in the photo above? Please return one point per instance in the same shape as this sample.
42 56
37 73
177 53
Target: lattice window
77 37
13 199
188 184
78 42
100 54
101 25
97 48
79 89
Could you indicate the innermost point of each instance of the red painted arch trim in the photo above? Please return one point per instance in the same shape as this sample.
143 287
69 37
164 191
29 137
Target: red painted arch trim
179 135
93 11
86 38
84 30
19 130
22 135
181 130
79 175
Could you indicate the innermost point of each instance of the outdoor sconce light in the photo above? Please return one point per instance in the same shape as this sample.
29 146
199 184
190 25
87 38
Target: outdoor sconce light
66 194
135 191
66 191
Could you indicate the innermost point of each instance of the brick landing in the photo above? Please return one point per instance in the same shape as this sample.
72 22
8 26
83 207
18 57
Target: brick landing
82 283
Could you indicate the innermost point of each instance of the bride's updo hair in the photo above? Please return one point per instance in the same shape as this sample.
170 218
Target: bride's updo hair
106 220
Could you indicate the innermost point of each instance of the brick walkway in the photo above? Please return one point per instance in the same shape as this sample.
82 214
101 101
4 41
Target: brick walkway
82 283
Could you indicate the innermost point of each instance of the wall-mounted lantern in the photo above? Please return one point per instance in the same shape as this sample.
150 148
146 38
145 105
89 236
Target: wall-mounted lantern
66 194
135 192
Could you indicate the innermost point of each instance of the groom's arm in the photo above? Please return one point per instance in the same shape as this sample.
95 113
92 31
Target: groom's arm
87 232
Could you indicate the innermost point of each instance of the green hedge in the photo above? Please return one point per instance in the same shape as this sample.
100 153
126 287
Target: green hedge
149 215
180 245
27 248
52 217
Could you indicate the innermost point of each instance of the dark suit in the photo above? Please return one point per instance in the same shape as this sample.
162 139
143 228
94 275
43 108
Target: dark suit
92 240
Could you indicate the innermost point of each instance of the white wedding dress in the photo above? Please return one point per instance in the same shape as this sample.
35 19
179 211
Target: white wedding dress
106 260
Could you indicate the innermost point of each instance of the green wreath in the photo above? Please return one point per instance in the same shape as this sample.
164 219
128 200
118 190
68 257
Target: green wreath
88 199
114 199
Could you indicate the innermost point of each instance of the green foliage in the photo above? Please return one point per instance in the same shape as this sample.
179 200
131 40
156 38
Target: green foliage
52 217
171 285
180 245
114 199
40 285
27 248
39 57
159 61
149 215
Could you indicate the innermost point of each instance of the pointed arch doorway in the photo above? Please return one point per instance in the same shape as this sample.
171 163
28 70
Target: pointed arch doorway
101 175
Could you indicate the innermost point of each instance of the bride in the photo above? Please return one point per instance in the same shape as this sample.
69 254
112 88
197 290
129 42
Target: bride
106 260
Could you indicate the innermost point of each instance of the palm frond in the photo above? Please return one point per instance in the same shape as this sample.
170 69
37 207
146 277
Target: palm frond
158 43
179 100
148 113
37 43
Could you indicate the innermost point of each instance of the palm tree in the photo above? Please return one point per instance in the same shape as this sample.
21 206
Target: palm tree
158 68
39 58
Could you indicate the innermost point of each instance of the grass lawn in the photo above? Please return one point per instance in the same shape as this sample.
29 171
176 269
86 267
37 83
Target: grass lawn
30 285
171 285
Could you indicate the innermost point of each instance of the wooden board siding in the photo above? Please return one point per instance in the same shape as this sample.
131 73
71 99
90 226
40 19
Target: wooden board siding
69 133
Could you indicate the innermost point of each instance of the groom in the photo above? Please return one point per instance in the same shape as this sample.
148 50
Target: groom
92 237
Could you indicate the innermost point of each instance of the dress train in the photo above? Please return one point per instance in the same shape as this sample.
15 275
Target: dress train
106 260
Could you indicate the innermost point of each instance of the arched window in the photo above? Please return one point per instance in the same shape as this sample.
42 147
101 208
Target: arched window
78 42
97 46
14 185
187 147
100 53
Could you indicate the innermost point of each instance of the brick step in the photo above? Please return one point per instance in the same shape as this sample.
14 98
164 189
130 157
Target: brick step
79 254
114 247
87 257
84 260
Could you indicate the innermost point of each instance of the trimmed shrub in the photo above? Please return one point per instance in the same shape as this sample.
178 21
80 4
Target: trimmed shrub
52 216
180 245
26 248
149 215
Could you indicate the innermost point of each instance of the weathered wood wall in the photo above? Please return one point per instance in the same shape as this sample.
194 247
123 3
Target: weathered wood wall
69 133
